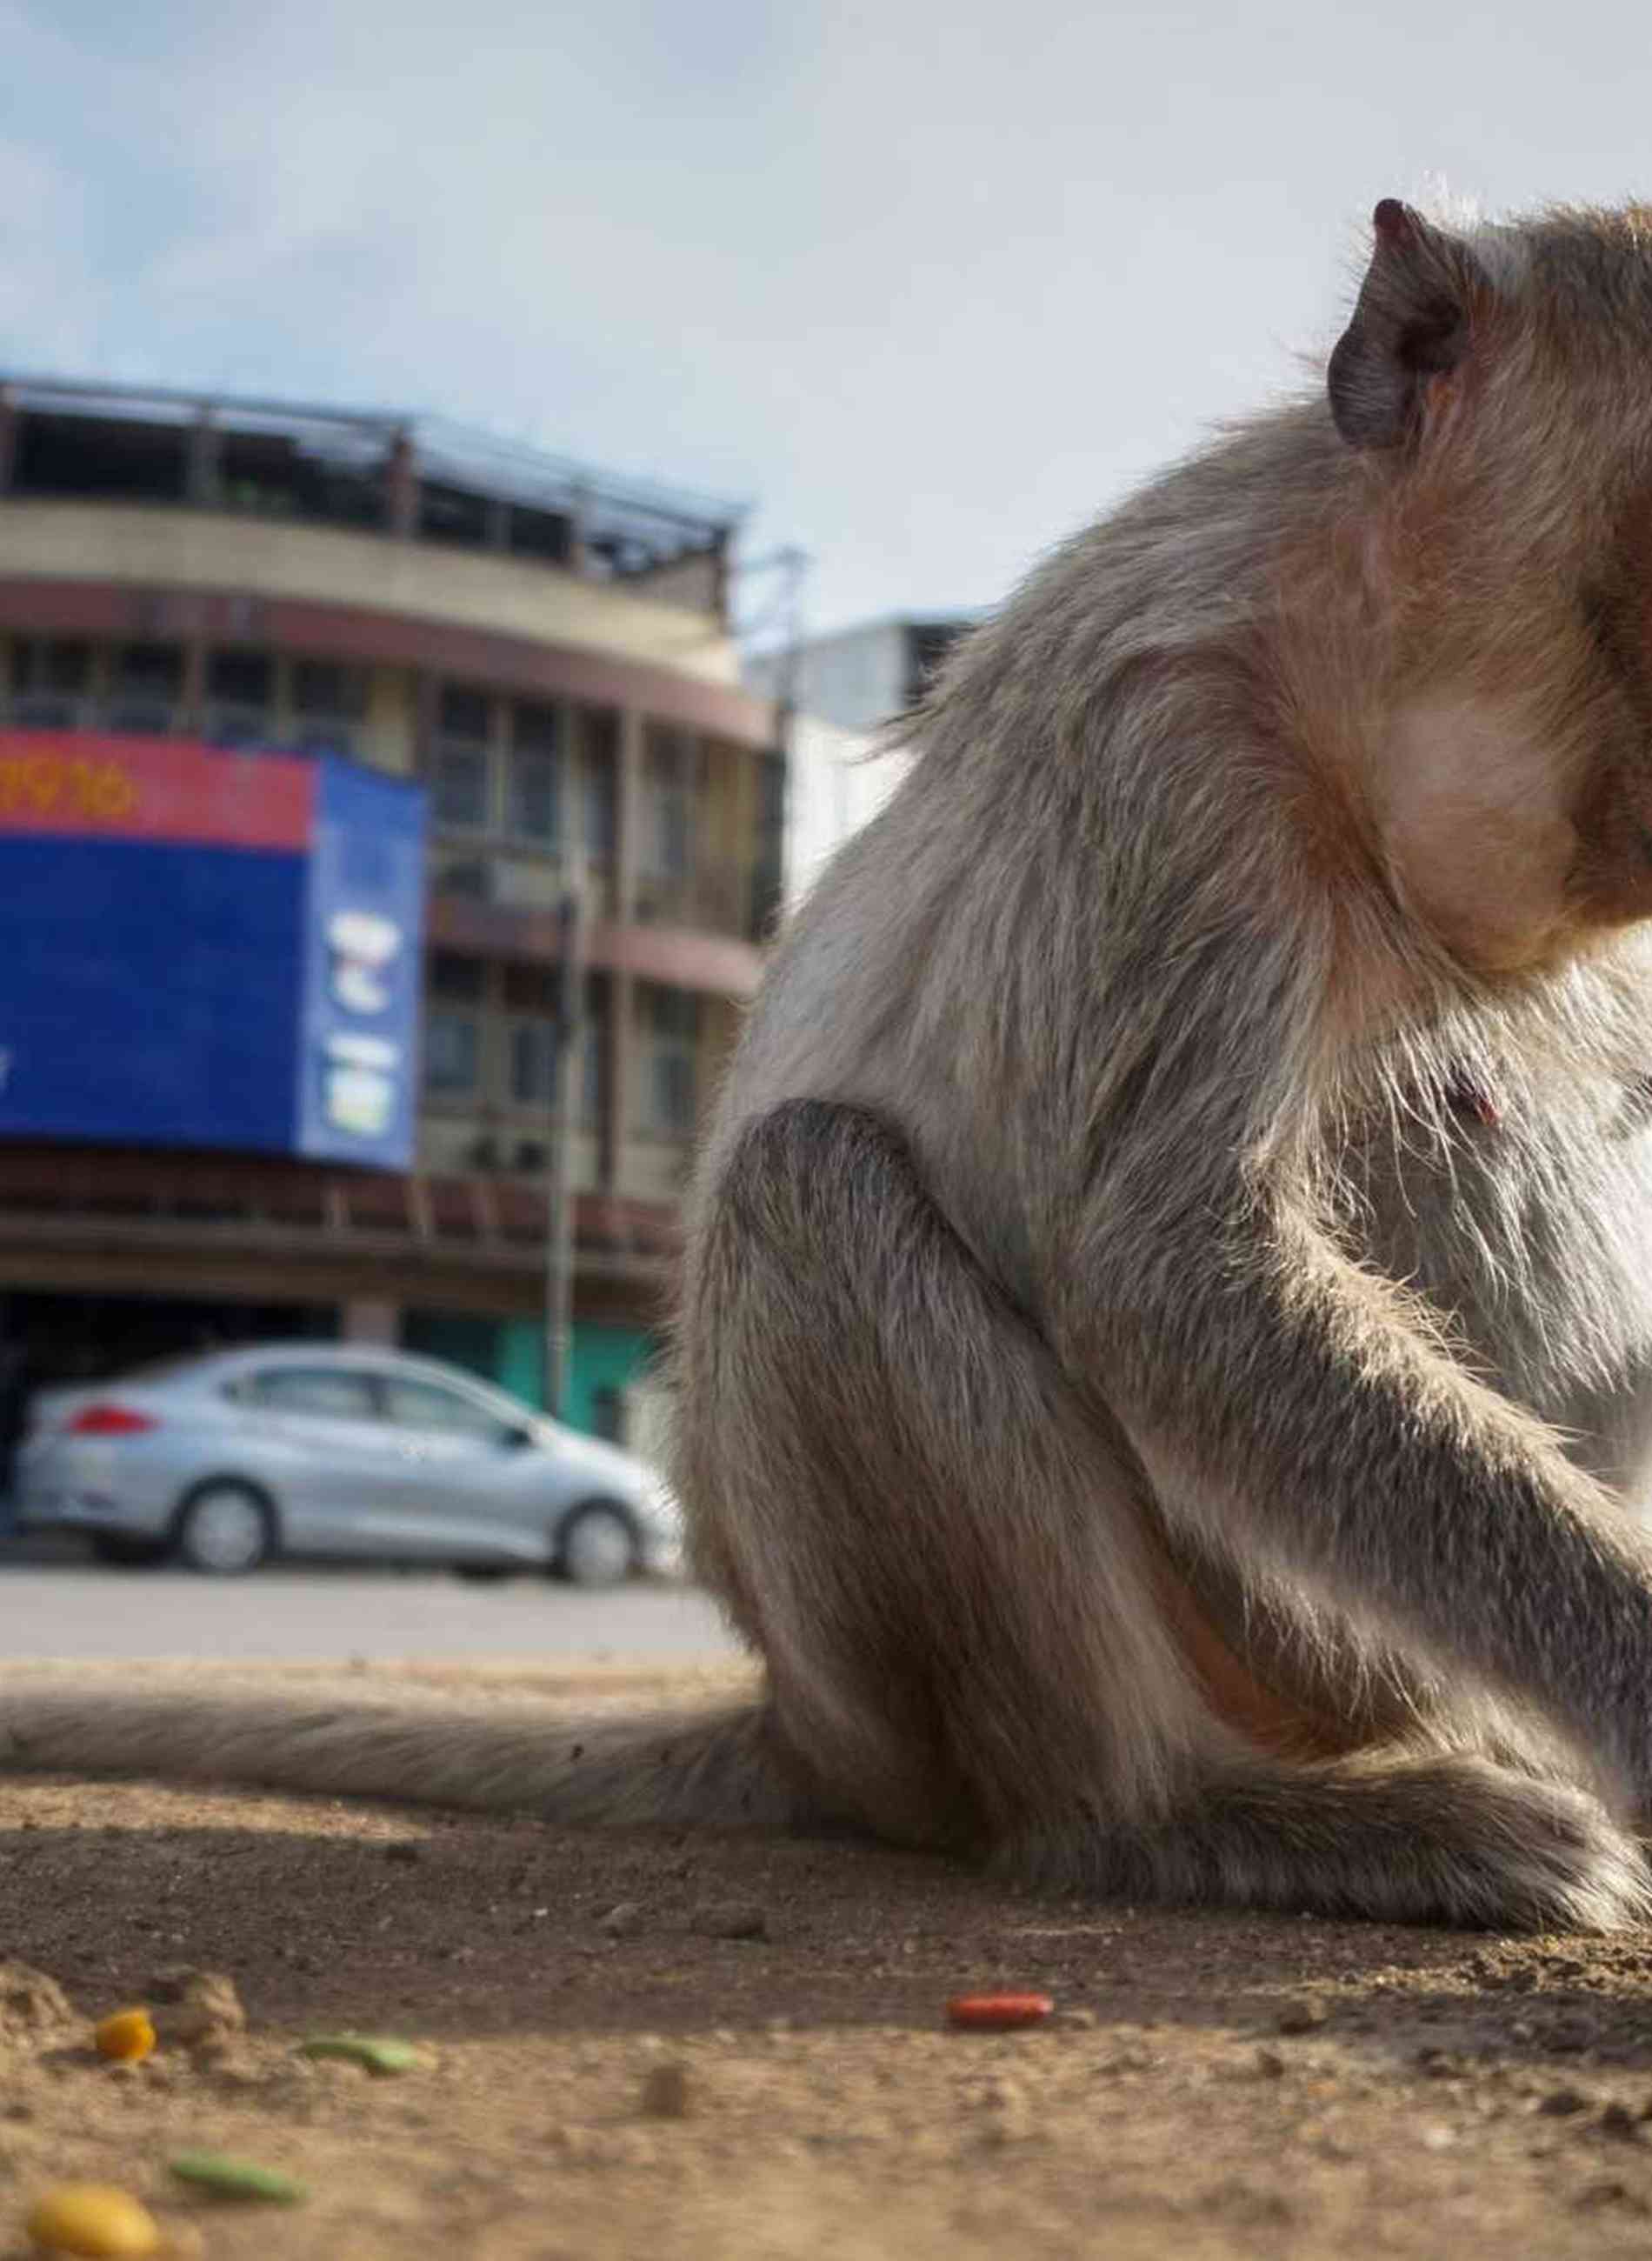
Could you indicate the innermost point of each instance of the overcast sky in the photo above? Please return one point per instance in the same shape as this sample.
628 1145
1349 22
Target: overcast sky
927 285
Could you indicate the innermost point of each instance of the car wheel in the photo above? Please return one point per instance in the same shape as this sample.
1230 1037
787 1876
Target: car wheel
598 1546
127 1553
225 1530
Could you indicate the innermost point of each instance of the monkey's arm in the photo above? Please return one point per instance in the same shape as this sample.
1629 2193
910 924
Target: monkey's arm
1287 1403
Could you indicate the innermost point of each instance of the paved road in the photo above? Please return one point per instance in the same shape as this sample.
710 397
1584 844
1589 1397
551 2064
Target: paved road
65 1609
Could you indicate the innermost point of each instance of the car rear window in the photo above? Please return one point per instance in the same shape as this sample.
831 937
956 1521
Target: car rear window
324 1389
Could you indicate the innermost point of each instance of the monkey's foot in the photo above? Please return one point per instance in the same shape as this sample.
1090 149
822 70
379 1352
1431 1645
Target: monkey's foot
1449 1839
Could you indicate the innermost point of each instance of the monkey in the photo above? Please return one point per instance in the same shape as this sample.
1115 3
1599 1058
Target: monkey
1162 1368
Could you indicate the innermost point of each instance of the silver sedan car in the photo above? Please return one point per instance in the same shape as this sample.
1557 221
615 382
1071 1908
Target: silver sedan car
224 1461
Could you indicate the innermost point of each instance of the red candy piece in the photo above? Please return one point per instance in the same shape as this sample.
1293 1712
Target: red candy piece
998 2014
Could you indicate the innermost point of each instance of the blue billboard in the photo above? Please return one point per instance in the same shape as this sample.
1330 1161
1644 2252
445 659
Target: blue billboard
205 948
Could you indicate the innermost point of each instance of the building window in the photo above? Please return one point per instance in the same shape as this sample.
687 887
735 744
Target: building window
458 788
460 765
593 1068
241 679
52 663
533 1064
535 798
673 1093
599 772
461 713
530 994
768 869
452 514
539 534
148 671
73 455
536 773
327 698
330 689
670 1021
456 980
672 776
453 1053
240 689
146 682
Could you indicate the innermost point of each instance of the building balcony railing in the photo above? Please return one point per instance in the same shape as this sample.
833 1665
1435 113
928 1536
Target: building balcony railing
521 880
419 478
193 1199
133 714
716 898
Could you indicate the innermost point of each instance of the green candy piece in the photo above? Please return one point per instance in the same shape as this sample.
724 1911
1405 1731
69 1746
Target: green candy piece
376 2053
232 2178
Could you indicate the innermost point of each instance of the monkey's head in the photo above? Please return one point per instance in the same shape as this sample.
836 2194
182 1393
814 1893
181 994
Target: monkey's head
1494 389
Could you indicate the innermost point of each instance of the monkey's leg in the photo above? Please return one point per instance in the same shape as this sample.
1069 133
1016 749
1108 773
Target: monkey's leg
947 1563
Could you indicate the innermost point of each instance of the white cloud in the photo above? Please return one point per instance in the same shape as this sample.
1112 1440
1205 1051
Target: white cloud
48 313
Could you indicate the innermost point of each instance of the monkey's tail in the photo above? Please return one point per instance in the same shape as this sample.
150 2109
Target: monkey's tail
718 1766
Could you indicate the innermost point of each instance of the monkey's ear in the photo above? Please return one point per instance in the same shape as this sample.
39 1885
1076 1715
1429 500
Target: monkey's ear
1411 324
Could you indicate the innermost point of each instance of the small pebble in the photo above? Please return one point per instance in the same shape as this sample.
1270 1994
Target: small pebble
1302 2017
1561 2103
29 2002
667 2093
191 2006
1007 2116
622 1921
731 1919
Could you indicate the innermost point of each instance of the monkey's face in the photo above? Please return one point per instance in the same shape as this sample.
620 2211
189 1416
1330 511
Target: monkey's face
1496 387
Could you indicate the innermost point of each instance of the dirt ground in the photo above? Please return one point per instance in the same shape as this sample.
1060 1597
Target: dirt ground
1208 2087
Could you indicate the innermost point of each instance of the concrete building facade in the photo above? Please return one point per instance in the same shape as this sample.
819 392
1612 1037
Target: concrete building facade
547 650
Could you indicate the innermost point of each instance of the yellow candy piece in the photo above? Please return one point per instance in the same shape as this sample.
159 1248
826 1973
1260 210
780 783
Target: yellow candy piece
128 2036
92 2219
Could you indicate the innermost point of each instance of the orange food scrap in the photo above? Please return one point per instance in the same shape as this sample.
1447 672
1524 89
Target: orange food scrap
92 2219
126 2037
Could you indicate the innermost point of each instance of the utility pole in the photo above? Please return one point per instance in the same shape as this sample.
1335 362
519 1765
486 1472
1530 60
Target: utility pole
563 1028
790 566
794 565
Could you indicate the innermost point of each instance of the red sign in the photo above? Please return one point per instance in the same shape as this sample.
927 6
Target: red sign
79 782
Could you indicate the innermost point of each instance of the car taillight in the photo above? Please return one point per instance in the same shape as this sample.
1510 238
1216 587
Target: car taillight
107 1421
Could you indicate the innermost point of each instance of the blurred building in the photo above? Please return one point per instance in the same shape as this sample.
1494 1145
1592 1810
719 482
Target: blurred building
859 679
546 650
845 689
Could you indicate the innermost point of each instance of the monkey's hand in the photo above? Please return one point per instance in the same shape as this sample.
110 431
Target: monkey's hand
1292 1408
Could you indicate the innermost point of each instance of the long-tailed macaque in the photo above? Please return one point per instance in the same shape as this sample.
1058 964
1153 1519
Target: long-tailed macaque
1164 1368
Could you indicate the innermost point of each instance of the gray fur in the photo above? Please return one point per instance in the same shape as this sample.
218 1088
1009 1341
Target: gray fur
1164 1358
